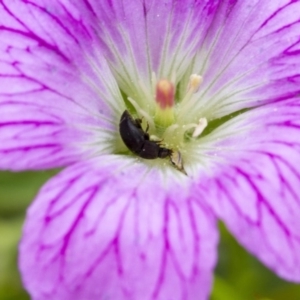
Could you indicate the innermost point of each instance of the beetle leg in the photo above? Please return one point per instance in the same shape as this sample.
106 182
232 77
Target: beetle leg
138 122
147 128
146 134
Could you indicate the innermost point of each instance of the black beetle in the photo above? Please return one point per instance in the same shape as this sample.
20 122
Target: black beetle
138 141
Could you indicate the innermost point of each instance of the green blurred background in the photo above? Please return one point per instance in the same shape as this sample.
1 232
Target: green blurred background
238 276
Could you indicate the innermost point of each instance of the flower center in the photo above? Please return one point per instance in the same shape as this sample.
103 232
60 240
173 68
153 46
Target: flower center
168 120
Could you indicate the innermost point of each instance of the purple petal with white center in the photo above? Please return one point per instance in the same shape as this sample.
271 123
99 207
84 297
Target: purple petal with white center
251 55
258 197
139 37
53 103
113 229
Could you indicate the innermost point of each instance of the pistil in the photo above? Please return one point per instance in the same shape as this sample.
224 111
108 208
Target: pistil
165 93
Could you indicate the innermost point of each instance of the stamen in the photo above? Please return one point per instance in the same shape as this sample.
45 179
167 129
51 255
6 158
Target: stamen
193 87
189 99
147 96
153 82
173 77
200 127
194 83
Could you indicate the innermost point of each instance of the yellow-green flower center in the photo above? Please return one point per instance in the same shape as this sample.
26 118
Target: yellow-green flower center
168 119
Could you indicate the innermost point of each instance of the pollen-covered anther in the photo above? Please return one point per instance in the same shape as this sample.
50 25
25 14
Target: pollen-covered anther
165 92
200 127
194 83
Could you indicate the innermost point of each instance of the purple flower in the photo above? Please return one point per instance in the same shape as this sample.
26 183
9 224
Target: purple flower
217 81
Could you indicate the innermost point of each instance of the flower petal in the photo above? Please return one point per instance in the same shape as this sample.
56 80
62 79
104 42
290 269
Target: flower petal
250 56
258 196
139 37
51 98
111 228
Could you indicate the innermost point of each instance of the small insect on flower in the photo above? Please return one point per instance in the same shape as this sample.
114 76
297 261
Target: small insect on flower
138 141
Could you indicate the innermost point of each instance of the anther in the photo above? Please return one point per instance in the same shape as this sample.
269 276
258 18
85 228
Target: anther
200 127
194 83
